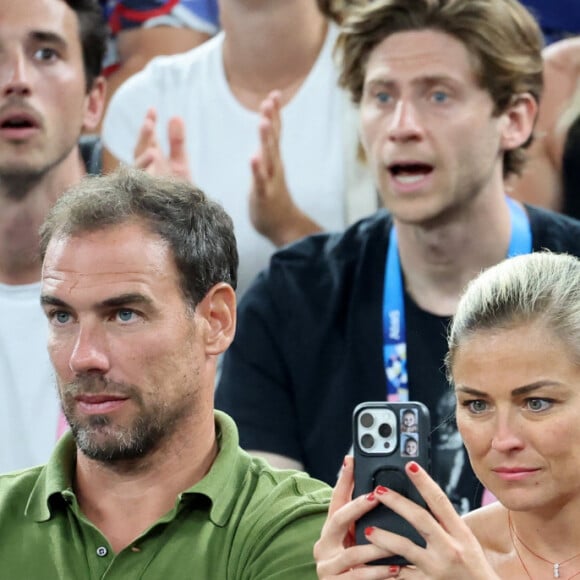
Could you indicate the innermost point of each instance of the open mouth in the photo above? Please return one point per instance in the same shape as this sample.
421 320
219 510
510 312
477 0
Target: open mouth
410 172
18 122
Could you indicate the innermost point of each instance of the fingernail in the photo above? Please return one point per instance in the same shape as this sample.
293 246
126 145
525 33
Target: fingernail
371 496
413 467
394 569
369 531
381 490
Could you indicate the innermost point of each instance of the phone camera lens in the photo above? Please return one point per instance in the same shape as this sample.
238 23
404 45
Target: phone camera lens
367 441
385 430
386 445
366 420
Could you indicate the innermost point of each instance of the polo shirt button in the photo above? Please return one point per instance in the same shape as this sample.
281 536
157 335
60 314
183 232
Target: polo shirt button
102 551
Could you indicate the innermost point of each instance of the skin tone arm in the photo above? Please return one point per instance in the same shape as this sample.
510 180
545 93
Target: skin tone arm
452 551
136 48
541 182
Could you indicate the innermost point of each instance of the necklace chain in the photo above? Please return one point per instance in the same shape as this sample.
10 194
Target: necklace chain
555 565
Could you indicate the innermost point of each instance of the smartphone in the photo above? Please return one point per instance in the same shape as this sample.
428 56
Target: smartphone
386 436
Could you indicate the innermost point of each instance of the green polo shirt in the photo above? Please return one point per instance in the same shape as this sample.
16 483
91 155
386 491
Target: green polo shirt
243 520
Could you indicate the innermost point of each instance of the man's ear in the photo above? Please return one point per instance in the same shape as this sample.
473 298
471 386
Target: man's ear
218 308
94 104
518 121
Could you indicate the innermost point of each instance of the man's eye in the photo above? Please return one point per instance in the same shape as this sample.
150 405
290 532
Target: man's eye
125 315
383 97
45 53
61 317
439 96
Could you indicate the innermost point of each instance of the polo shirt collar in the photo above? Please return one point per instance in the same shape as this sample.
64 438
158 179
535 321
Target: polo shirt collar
221 484
227 475
55 479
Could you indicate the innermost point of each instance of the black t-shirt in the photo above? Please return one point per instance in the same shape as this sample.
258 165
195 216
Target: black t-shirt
571 171
308 349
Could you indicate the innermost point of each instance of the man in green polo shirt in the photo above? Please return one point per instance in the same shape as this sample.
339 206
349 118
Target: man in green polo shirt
138 289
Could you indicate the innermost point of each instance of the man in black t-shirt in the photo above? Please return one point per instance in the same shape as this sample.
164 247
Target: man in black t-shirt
448 95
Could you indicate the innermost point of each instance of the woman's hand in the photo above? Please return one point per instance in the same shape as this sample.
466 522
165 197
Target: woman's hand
452 552
336 554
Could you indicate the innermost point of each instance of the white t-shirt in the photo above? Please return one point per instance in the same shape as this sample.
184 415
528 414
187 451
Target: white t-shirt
318 143
29 405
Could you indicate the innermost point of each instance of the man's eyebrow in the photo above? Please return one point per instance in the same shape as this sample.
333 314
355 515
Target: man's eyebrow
49 37
47 300
125 299
115 301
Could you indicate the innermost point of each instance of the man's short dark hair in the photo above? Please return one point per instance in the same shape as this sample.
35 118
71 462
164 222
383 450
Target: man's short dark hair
198 231
93 36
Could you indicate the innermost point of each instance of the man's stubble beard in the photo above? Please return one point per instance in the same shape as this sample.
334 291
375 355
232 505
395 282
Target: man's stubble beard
16 182
98 436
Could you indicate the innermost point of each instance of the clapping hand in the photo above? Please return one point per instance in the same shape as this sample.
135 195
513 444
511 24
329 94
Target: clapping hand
149 156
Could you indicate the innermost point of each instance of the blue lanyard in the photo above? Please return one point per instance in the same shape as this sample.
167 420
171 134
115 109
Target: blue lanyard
394 330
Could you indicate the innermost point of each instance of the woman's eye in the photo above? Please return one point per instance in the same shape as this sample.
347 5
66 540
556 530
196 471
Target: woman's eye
477 406
538 404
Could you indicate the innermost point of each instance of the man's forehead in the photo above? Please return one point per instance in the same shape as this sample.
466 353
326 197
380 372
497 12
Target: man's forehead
113 254
32 17
433 50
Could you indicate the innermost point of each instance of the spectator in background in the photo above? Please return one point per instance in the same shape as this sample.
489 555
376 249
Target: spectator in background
229 138
51 89
143 29
571 160
448 93
541 181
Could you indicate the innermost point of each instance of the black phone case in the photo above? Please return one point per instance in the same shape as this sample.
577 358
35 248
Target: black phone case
388 469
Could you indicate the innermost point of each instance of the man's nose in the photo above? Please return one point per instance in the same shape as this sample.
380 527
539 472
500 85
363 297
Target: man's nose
90 351
14 75
405 122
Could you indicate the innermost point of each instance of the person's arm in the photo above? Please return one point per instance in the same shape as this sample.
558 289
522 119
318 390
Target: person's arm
452 551
541 179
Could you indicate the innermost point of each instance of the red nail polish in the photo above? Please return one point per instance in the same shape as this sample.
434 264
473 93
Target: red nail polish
394 569
413 467
369 531
371 496
381 490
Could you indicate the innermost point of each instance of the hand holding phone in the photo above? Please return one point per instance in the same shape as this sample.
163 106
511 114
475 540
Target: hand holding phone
386 437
